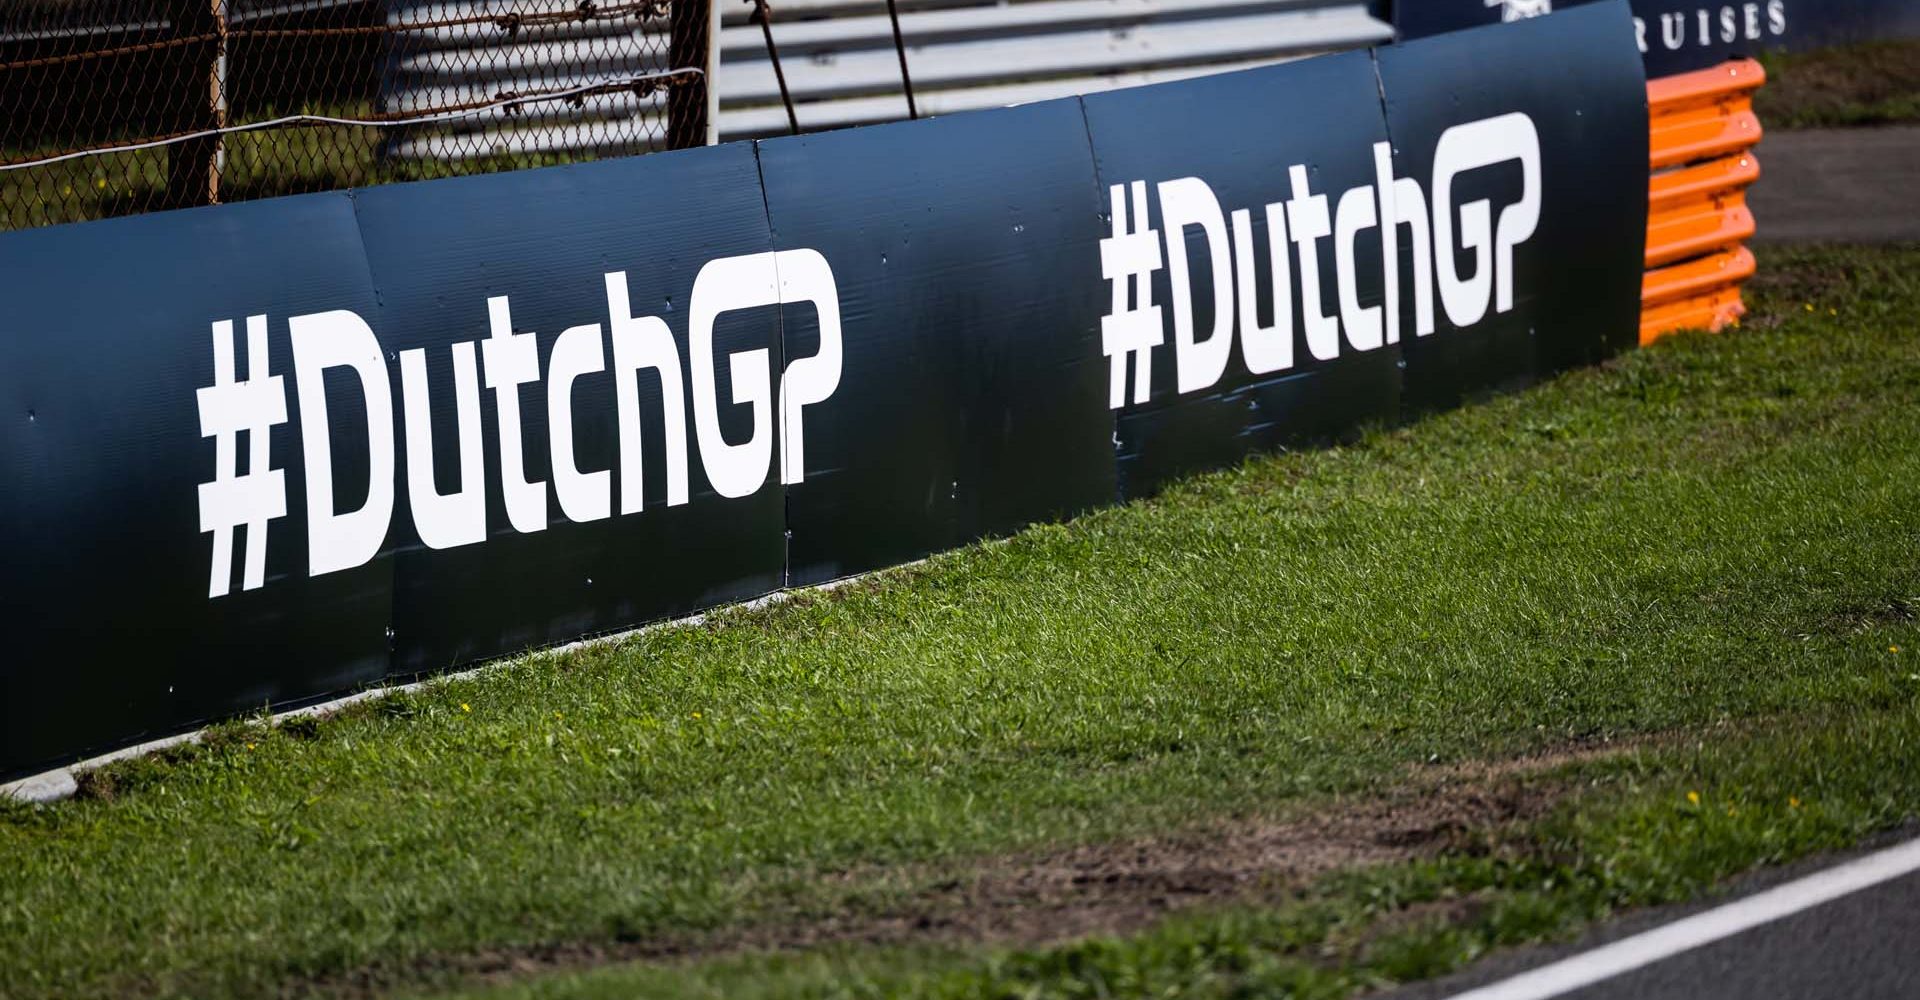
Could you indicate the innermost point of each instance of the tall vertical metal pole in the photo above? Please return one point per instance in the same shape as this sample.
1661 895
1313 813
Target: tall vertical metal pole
712 68
764 15
900 47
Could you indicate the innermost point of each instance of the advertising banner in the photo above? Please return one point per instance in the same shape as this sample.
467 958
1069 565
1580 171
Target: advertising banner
971 392
1676 36
151 501
1533 199
262 454
1245 264
583 364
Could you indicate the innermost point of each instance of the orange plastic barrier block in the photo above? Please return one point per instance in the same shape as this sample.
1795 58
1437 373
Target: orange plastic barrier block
1712 312
1669 190
1701 130
1692 114
1688 140
1671 93
1696 277
1694 229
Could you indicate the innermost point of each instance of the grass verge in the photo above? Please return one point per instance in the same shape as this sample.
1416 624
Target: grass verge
1711 540
1872 83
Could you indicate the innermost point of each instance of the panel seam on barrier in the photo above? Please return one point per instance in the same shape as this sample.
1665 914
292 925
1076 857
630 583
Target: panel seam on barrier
780 342
390 547
1387 226
1113 415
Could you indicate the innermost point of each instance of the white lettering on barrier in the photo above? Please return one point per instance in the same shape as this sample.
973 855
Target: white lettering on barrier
235 499
1133 327
1750 21
445 521
341 340
1737 22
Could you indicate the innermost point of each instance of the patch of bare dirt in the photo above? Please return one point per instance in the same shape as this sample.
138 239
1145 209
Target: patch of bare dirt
1789 284
1048 897
1858 618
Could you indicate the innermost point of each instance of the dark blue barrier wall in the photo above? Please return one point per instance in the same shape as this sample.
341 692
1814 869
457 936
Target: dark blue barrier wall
1680 35
1575 297
972 394
1303 378
268 453
546 240
106 333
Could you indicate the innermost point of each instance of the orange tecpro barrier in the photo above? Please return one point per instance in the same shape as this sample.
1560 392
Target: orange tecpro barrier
1701 152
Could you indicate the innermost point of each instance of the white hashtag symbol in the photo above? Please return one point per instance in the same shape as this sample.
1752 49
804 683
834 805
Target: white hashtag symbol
1130 259
235 498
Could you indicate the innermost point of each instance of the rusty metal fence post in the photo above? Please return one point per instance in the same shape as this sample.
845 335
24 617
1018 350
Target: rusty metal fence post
193 165
690 45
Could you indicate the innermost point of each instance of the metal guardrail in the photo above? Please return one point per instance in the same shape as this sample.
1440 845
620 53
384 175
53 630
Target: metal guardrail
1702 131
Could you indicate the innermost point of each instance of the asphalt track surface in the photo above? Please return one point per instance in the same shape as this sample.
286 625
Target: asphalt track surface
1859 185
1862 945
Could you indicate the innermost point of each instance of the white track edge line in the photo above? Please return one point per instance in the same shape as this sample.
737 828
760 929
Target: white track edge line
1719 923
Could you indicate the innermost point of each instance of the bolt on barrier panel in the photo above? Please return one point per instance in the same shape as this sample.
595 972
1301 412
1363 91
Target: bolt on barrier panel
115 107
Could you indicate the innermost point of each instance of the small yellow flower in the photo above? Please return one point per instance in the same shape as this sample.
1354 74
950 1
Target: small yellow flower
1833 312
101 183
250 746
464 707
1693 798
1809 306
557 715
696 715
1793 802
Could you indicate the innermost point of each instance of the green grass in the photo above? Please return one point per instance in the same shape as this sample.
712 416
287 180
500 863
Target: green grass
1648 828
1873 83
1714 538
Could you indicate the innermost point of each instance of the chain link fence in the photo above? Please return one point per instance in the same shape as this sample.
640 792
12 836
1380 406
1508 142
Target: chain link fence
114 107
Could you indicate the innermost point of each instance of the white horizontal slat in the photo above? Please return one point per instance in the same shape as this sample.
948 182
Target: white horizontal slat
1075 53
593 137
757 122
460 92
82 31
1000 21
733 12
592 107
595 55
481 36
406 12
242 12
